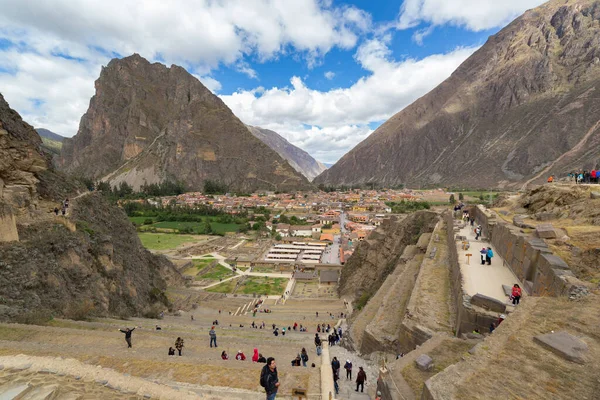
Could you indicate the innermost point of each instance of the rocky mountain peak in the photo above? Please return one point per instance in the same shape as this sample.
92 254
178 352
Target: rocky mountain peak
148 123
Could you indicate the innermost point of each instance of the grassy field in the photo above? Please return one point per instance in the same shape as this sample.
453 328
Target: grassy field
216 273
263 285
140 220
164 241
225 287
217 227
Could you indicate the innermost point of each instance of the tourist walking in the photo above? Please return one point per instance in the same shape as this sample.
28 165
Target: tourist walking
489 255
516 294
213 336
361 378
318 343
336 386
348 368
127 333
478 232
179 345
269 380
335 365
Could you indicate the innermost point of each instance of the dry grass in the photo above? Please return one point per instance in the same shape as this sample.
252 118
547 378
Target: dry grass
512 366
447 353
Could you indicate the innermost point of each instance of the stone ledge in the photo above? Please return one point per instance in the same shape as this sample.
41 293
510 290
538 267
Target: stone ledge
564 345
488 303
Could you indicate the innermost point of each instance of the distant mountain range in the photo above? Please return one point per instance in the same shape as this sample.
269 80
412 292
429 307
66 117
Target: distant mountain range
524 106
299 159
45 133
148 123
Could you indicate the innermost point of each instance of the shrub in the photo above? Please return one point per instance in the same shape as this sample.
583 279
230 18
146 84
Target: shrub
80 311
36 317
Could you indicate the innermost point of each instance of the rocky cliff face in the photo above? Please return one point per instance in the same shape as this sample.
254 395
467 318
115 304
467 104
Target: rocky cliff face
376 258
524 106
149 123
90 263
299 159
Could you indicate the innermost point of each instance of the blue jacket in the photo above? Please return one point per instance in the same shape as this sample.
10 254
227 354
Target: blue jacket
490 253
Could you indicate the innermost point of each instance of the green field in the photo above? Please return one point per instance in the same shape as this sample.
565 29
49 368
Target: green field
263 285
163 241
216 273
198 227
225 287
140 220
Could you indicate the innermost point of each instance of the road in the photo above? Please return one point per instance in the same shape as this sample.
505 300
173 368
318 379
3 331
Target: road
332 253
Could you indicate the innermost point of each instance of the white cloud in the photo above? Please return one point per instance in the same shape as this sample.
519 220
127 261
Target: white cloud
52 91
329 75
421 34
475 15
340 118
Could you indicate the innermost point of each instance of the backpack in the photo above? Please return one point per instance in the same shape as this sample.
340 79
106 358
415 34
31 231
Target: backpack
263 377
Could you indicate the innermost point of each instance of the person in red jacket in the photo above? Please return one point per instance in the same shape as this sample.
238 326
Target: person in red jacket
516 294
240 356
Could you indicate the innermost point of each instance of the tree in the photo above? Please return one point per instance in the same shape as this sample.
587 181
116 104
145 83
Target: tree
452 200
278 237
207 226
461 197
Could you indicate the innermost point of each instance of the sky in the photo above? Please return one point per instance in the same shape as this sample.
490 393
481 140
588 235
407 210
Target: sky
322 73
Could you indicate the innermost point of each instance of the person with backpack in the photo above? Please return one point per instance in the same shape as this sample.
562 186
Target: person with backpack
489 255
478 232
304 357
348 368
269 379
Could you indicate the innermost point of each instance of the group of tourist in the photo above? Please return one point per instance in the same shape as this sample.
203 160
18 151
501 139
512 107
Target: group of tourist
486 255
361 377
584 176
63 207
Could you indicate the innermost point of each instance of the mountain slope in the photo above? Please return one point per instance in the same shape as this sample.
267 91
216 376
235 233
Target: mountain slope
299 159
45 133
90 262
524 106
149 123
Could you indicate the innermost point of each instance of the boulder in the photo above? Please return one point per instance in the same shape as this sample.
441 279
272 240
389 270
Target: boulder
544 216
507 290
564 345
488 303
545 231
424 362
595 195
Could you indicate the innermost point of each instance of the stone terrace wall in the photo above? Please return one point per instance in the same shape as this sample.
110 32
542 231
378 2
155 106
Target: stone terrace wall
468 316
530 259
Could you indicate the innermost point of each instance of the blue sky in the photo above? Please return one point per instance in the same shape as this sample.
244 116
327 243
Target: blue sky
322 73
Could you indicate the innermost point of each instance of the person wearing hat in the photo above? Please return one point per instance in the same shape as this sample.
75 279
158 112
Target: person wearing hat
483 253
348 368
240 356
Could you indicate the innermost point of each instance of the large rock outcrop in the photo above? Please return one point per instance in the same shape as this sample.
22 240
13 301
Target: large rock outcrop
524 106
20 160
299 159
148 123
88 263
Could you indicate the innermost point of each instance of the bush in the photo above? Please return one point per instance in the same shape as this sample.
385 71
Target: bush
363 300
148 221
80 311
36 317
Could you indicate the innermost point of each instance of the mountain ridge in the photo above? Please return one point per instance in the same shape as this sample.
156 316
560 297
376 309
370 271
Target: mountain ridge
299 159
511 110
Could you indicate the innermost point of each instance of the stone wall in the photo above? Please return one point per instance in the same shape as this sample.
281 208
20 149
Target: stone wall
530 259
468 316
